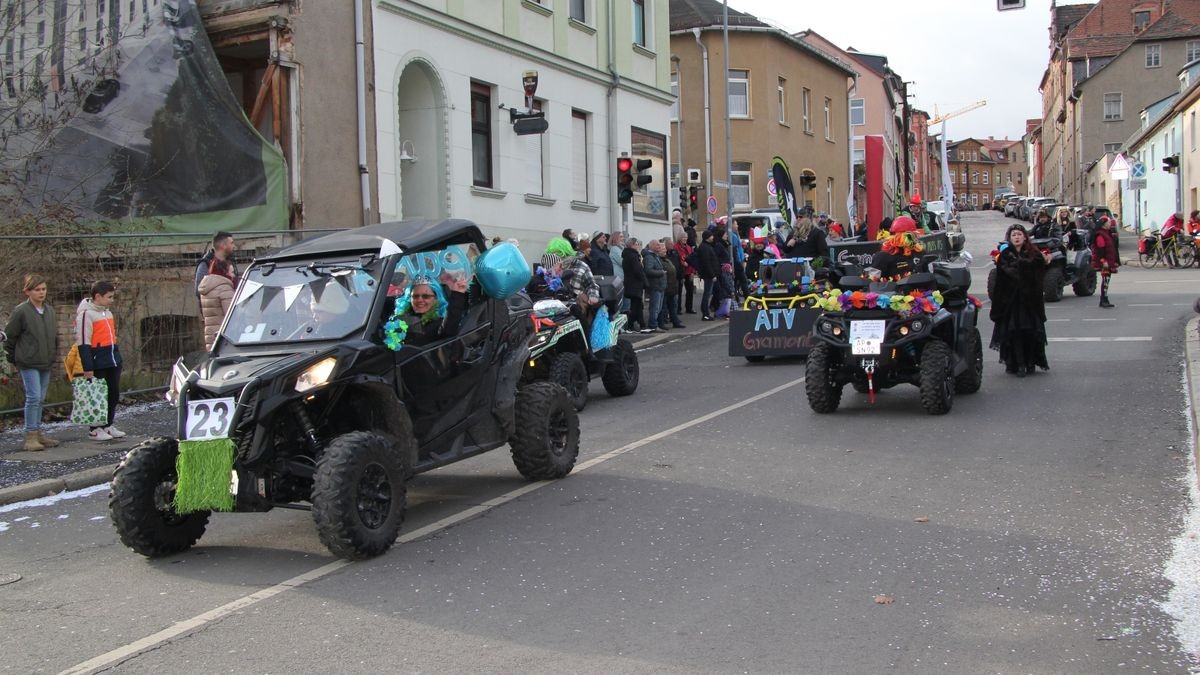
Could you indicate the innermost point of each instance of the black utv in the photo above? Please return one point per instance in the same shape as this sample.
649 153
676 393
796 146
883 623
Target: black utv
872 348
324 409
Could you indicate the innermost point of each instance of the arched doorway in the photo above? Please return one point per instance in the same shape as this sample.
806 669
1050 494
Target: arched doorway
421 142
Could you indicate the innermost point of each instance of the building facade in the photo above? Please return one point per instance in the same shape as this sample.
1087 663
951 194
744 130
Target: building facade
972 170
450 93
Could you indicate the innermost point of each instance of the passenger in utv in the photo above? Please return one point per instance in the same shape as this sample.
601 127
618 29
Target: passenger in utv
430 312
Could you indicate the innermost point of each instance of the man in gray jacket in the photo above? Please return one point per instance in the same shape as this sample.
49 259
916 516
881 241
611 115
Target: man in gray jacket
656 282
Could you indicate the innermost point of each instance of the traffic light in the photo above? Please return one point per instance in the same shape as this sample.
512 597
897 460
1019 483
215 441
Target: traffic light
1171 163
694 198
624 180
683 198
808 179
643 165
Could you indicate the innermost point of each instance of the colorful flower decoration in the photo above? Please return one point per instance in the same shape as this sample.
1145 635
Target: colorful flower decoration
394 332
911 304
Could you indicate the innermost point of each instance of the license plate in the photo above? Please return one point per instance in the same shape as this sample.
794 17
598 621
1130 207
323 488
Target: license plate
866 337
208 419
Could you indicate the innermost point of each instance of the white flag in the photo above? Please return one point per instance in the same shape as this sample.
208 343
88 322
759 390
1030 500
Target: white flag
947 177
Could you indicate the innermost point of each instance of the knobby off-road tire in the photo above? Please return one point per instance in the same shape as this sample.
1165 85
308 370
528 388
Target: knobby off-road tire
861 387
937 377
991 284
1085 285
621 376
567 370
359 494
139 503
1052 287
971 379
546 441
824 395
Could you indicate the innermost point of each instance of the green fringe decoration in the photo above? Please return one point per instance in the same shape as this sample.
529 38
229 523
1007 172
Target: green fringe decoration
204 469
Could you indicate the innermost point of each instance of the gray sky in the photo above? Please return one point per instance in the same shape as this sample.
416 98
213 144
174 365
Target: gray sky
956 51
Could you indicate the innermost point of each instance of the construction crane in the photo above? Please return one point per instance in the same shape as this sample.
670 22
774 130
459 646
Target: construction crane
938 119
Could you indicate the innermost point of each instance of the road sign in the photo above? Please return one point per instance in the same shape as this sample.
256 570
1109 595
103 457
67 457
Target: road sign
1137 183
712 205
771 186
1137 170
1119 169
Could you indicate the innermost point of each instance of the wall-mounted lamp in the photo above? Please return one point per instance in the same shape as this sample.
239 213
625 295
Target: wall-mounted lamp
407 152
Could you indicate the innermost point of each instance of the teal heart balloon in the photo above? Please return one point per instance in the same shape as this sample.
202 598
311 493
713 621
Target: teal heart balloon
502 271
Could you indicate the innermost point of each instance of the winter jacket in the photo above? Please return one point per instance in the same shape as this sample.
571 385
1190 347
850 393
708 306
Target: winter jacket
677 264
682 251
216 295
96 335
578 280
615 253
656 276
635 274
1104 250
1019 283
32 341
600 262
814 246
203 265
710 265
672 276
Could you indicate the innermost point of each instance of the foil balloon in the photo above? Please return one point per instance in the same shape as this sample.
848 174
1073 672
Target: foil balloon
502 271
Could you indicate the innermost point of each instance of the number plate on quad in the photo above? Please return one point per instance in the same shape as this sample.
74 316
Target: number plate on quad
208 419
866 337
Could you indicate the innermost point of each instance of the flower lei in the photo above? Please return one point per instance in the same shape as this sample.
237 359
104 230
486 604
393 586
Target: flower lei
915 302
554 283
394 332
395 329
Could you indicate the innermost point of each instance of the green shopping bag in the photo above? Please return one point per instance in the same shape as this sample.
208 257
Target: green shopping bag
89 402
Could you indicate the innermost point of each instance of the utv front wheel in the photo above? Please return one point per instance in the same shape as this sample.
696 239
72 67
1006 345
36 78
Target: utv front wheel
141 502
937 377
621 376
546 441
824 394
567 370
359 496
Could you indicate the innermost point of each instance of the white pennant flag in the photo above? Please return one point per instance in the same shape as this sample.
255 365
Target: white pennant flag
389 247
249 288
290 293
947 178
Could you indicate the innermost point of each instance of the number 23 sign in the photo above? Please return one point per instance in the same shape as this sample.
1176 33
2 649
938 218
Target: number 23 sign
208 419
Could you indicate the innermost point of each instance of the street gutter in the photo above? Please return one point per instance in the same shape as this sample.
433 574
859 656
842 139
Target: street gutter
1191 342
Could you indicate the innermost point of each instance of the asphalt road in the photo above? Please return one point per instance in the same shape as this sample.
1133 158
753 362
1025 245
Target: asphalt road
715 525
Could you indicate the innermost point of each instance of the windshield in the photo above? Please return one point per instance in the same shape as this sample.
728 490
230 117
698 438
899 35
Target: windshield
318 300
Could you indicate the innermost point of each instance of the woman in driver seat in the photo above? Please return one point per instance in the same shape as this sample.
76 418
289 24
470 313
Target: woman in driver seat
429 311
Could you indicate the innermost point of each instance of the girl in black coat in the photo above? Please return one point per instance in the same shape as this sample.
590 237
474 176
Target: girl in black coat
1018 309
635 282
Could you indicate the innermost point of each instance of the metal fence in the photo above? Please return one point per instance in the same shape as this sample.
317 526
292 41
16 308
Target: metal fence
156 308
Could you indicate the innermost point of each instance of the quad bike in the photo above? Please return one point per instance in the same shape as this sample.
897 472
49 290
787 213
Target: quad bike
559 352
932 344
310 398
1064 269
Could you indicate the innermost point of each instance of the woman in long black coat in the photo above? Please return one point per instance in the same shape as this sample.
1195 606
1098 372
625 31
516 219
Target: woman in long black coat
708 268
635 282
1018 310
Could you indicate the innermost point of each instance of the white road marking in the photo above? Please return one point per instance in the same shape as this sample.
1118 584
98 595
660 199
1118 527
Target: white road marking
1142 338
1097 319
187 626
1145 304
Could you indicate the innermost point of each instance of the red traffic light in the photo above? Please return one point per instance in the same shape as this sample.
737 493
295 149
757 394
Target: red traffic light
624 164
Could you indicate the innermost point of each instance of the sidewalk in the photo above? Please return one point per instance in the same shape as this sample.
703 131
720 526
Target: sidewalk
81 462
1191 359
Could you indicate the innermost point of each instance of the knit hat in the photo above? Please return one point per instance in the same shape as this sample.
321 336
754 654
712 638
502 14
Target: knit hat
916 199
903 224
549 260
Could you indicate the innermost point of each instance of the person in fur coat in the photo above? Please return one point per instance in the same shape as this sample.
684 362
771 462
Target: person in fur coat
1018 309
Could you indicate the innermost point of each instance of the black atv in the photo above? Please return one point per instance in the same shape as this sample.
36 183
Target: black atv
873 348
323 408
559 352
1064 269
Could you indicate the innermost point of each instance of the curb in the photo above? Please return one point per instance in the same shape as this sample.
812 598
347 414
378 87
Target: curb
51 486
1191 351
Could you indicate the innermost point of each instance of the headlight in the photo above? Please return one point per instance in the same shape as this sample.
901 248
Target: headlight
179 377
837 330
316 375
903 330
917 325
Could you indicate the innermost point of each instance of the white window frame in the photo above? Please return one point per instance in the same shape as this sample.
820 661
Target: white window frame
828 119
1193 50
582 7
1153 56
858 105
738 181
743 82
640 11
1119 101
986 177
829 196
580 161
781 95
974 178
806 102
1112 147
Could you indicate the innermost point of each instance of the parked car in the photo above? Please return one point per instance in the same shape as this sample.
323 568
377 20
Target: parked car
1030 209
1002 200
759 224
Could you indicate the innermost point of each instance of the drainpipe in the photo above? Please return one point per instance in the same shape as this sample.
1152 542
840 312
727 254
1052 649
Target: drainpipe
360 84
707 124
728 133
679 120
614 215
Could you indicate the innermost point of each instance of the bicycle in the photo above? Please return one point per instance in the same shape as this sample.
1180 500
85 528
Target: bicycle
1171 252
